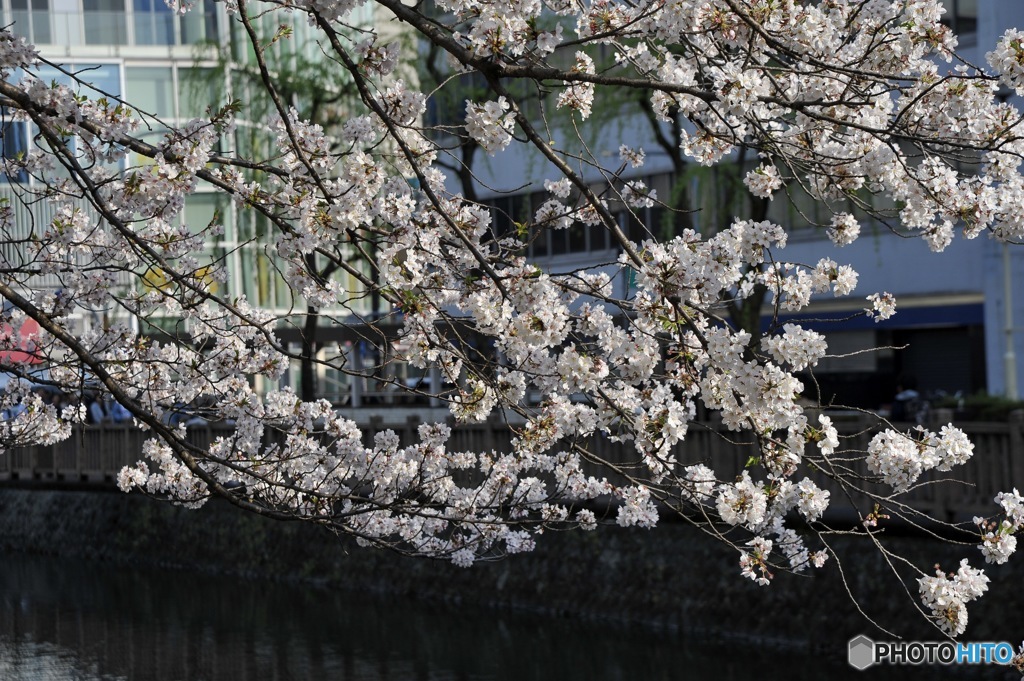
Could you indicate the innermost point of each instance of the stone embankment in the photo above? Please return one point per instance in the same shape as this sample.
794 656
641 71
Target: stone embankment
672 576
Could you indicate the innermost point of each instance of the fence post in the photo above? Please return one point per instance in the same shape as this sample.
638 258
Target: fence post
435 385
495 430
1015 466
356 380
376 425
412 423
78 434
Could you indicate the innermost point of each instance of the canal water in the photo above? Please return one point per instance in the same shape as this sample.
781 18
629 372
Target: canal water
65 619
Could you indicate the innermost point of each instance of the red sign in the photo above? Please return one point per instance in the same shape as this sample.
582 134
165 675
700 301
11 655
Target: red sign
19 348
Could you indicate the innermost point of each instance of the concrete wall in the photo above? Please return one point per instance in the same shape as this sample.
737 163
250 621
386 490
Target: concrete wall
671 576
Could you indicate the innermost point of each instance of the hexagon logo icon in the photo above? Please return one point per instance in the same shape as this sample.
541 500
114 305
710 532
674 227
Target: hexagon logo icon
862 652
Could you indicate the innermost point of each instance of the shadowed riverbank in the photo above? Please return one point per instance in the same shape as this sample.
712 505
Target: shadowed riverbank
670 578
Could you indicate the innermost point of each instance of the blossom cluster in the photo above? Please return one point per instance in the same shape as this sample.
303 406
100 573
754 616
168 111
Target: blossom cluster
997 537
901 458
490 124
947 596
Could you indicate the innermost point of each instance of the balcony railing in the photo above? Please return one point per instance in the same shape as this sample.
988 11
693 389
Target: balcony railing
115 28
26 221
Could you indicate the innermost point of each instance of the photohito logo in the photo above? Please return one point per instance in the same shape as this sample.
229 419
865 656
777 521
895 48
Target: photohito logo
863 652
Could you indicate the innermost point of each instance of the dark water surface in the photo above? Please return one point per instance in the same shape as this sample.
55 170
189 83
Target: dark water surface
64 619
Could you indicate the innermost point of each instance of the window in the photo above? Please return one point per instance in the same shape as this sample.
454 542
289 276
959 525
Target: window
199 90
660 221
962 17
154 23
201 210
153 135
151 88
598 238
113 22
506 211
32 18
199 24
92 80
105 22
545 241
67 22
13 146
211 266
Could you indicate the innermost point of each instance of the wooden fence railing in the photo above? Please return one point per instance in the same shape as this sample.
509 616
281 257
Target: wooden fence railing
95 454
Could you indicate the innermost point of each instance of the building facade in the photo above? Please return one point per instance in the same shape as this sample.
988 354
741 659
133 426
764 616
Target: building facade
172 68
959 325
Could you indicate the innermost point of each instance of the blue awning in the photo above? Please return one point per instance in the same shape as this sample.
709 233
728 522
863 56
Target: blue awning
922 316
